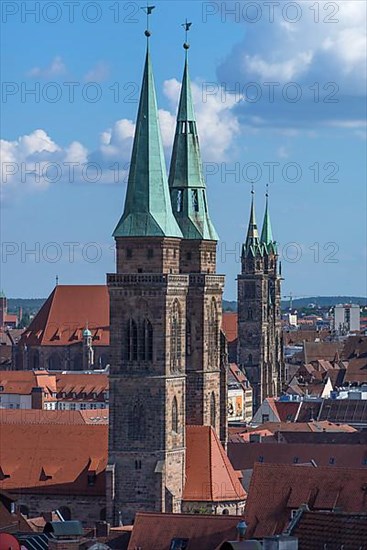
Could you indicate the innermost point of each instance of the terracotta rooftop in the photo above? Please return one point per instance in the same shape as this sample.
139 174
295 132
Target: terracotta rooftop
210 476
29 460
40 416
243 455
66 313
275 490
229 325
156 531
316 530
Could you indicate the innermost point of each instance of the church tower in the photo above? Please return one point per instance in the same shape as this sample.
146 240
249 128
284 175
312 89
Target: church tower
146 468
260 350
198 261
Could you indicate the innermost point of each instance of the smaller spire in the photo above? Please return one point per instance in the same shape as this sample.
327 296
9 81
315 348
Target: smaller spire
266 233
252 240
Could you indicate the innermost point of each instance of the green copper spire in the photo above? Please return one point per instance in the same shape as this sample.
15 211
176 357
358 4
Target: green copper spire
148 209
252 243
186 180
266 233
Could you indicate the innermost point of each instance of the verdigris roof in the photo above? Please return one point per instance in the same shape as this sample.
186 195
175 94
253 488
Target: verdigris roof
252 246
186 180
148 209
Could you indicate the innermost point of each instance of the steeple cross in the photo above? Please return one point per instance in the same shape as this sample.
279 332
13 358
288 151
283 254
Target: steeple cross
148 10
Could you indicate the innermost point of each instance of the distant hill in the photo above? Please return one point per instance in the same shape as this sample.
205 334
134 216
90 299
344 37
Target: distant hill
28 305
321 301
32 305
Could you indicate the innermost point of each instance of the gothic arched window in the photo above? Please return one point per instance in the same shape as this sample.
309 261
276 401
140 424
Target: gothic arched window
131 340
146 341
213 412
174 415
175 336
213 333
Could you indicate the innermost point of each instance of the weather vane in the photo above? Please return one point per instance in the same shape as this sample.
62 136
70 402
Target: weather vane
186 26
148 10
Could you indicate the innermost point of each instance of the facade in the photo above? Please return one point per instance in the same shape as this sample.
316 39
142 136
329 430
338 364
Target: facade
165 308
347 318
260 347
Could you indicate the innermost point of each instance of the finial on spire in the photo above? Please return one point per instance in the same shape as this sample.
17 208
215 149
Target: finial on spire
186 26
148 10
57 280
267 190
252 188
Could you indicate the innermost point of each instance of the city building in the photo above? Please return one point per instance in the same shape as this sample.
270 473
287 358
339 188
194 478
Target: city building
70 332
346 318
260 343
7 320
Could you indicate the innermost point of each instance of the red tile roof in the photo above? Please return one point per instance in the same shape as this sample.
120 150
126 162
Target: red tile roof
53 457
39 416
210 476
316 530
229 325
66 313
156 531
275 490
244 455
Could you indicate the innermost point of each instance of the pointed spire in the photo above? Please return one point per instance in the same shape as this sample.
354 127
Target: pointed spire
186 180
266 233
252 243
148 209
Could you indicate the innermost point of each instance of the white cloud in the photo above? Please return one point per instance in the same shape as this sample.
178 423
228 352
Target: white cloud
98 73
283 71
38 161
56 68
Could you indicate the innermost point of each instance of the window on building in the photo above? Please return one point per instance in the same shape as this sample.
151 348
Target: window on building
179 204
174 415
92 477
179 544
175 336
146 341
65 512
213 333
295 460
204 201
131 340
150 253
260 459
188 256
1 388
225 512
213 411
195 200
129 253
265 418
331 460
137 464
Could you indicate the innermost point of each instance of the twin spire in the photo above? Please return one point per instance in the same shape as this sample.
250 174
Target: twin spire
265 244
154 205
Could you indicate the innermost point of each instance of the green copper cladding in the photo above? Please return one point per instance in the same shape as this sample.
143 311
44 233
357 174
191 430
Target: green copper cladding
186 180
252 246
148 209
267 240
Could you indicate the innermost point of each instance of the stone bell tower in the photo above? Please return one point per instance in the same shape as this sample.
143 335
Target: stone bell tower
260 349
146 468
198 261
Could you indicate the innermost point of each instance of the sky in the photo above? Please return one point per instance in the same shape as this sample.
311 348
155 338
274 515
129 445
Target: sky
280 97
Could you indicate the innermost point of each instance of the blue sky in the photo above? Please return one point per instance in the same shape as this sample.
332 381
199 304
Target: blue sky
280 99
